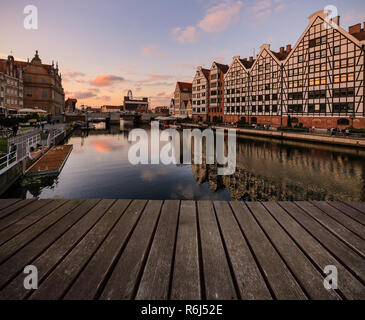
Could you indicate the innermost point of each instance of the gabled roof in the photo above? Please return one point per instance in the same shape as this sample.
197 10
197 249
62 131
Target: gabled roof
185 85
281 56
313 18
206 73
246 63
222 67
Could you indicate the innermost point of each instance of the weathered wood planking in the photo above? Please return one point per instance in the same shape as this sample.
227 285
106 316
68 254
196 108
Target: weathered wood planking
186 275
156 277
250 282
123 281
91 281
158 250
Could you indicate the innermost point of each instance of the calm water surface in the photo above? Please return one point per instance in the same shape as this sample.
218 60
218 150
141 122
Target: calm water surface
98 167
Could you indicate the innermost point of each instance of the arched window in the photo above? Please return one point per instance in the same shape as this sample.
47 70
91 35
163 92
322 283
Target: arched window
343 122
254 120
294 120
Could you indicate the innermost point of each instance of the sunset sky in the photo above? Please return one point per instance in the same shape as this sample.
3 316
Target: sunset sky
106 47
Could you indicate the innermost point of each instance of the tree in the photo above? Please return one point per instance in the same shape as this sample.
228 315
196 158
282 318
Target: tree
289 125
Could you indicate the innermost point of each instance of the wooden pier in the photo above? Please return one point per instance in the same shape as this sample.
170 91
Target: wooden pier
138 249
52 162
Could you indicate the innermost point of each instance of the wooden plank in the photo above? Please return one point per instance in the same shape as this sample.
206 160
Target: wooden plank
186 275
16 243
250 282
339 249
218 281
306 273
4 203
281 281
351 212
30 219
16 206
335 227
123 282
92 279
360 206
350 287
25 256
349 223
23 212
47 261
157 274
61 278
51 162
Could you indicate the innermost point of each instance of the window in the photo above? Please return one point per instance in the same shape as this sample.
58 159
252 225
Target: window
336 50
350 77
267 109
343 122
274 108
300 58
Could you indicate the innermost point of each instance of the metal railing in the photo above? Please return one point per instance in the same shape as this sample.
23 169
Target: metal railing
8 161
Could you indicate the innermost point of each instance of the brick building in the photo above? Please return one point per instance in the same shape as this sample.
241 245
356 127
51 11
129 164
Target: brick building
70 105
43 86
183 93
319 83
11 86
200 94
132 104
216 103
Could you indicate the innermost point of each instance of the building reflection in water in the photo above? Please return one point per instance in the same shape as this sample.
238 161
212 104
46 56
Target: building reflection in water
292 171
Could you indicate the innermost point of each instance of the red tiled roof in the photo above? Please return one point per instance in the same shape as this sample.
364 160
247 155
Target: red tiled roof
206 73
281 56
185 85
247 64
359 35
223 67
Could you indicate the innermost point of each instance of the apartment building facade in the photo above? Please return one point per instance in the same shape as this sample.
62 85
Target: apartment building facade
11 86
200 96
216 95
43 86
182 95
319 83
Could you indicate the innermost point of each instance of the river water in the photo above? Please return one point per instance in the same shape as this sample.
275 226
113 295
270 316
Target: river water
98 167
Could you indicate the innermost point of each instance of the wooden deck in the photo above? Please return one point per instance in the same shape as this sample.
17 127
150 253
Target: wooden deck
124 249
52 162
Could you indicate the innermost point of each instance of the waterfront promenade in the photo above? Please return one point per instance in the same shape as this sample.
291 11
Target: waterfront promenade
139 249
321 138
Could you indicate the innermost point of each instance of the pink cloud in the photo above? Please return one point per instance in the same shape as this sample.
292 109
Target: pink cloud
220 16
105 80
154 52
216 19
85 94
155 77
188 34
353 17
